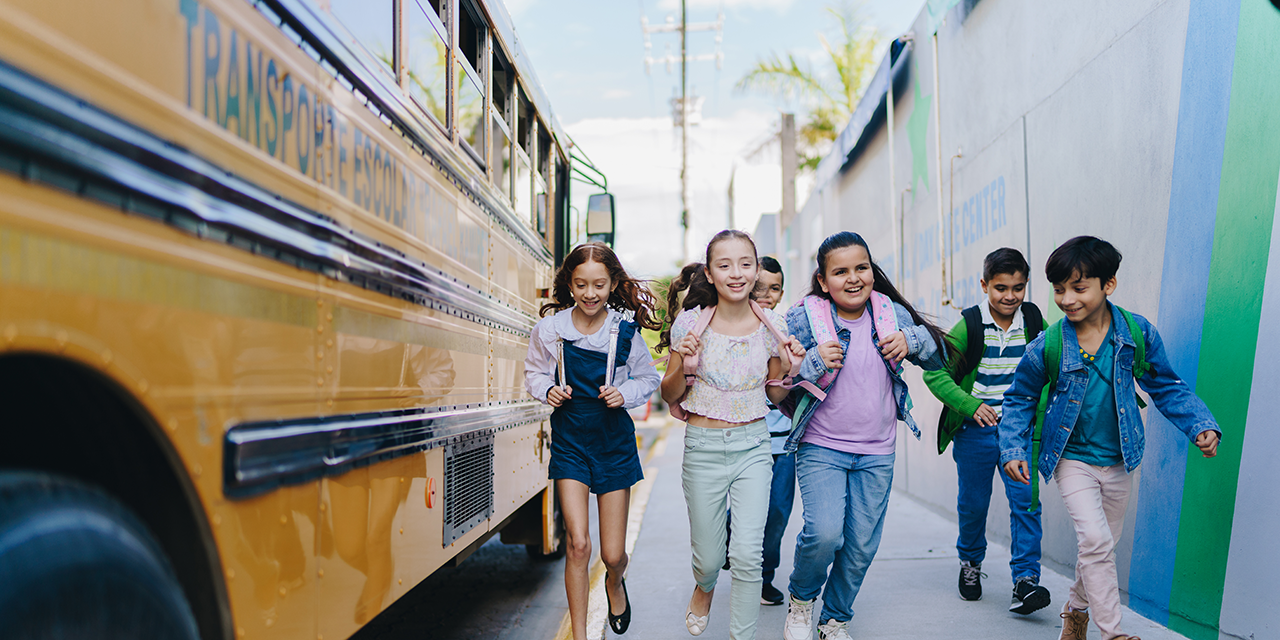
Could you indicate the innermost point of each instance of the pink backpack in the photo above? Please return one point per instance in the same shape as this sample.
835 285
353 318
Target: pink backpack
690 363
818 311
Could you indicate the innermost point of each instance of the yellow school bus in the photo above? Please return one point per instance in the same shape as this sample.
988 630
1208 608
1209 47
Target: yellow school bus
267 274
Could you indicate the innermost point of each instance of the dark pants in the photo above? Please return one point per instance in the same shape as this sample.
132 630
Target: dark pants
977 455
782 494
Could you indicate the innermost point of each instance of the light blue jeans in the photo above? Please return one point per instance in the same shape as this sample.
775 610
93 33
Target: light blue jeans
727 469
845 498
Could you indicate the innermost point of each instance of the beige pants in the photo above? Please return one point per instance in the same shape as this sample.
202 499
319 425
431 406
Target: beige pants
1096 498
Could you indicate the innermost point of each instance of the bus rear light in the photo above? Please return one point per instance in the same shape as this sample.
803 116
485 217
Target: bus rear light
431 493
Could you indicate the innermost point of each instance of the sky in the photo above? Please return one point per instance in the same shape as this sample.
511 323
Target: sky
589 58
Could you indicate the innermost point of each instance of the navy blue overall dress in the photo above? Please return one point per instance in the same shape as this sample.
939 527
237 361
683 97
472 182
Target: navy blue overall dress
590 442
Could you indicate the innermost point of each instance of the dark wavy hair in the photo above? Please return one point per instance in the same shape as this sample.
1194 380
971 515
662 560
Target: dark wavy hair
693 277
1092 257
629 294
881 283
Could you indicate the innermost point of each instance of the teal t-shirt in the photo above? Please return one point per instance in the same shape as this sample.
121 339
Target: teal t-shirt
1095 439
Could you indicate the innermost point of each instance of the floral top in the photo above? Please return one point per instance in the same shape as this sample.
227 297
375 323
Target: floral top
732 370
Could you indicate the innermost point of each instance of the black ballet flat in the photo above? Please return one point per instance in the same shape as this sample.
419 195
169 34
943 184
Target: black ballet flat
622 621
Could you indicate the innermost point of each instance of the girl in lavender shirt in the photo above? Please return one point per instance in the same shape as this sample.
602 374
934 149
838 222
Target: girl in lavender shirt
845 446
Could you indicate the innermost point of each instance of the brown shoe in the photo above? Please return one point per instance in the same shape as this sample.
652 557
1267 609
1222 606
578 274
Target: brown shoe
1075 624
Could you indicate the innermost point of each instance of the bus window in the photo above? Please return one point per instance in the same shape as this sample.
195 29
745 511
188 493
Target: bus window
500 156
471 120
370 26
543 179
427 70
522 196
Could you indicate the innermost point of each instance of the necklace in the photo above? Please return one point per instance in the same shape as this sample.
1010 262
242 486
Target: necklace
1086 356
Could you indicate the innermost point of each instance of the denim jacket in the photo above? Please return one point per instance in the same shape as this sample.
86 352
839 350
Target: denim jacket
1172 397
921 350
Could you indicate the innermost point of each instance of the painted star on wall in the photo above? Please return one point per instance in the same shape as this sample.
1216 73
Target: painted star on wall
917 135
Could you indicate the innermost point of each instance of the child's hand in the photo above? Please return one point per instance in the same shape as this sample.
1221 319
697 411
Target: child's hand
1017 470
986 416
557 395
832 354
894 347
797 351
611 396
688 346
1208 443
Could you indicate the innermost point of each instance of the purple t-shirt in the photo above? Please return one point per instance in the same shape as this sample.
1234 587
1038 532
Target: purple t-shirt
859 415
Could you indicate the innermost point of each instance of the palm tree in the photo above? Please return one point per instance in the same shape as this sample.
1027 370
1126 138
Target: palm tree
830 94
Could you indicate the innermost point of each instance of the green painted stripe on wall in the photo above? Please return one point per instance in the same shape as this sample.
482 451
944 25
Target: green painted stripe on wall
1242 236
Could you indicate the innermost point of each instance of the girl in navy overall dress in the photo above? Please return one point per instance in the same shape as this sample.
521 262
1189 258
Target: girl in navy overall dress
589 361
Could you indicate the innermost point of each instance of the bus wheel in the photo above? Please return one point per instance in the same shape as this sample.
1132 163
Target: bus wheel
74 563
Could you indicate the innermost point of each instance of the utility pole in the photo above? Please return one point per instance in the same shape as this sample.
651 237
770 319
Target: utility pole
682 113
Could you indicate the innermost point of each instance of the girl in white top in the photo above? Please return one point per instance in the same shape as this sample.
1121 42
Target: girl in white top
727 462
589 361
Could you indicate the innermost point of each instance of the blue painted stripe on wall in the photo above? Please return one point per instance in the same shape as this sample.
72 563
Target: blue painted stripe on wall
1208 59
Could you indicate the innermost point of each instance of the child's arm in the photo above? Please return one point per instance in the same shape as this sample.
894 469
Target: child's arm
682 342
1019 411
1175 400
813 366
643 378
921 348
943 387
540 364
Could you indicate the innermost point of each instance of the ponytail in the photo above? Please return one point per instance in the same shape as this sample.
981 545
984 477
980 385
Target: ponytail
701 293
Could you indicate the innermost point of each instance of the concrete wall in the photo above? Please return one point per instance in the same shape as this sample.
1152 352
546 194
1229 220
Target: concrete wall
1144 122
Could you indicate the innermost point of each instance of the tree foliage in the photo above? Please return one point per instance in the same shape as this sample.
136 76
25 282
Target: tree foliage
829 92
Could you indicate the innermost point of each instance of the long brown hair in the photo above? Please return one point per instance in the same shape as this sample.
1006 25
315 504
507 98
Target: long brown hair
881 283
693 277
629 294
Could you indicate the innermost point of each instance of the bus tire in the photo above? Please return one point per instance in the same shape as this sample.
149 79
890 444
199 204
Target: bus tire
75 563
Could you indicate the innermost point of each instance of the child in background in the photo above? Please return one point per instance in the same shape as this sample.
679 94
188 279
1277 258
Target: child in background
989 340
853 323
782 491
1097 438
726 443
598 308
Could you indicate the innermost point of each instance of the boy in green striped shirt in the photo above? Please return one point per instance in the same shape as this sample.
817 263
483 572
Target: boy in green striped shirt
990 340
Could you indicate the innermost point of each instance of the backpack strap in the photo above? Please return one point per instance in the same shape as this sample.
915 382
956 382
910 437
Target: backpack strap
1140 364
1052 368
793 363
1032 320
818 311
976 336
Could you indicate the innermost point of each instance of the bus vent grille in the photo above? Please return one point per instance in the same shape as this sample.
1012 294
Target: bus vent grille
468 483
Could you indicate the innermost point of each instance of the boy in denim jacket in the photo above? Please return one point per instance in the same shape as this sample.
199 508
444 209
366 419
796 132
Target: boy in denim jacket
1092 433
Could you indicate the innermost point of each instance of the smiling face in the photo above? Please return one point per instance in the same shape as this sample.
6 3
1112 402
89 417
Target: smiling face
1082 298
590 287
1005 292
848 279
732 268
768 289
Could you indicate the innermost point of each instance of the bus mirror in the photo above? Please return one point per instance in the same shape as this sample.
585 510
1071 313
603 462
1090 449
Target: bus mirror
600 218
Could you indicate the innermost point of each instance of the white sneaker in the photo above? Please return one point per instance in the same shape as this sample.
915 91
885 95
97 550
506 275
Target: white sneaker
799 625
832 630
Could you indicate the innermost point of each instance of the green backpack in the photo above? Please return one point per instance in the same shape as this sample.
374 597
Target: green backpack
1053 367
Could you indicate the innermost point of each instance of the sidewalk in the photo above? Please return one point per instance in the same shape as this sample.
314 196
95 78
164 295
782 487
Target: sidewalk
909 592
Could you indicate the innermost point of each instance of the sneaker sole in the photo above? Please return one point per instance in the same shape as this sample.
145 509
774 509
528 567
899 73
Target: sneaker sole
770 603
1035 601
970 599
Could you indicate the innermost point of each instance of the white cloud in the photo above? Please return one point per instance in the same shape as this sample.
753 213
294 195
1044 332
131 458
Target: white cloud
616 94
641 157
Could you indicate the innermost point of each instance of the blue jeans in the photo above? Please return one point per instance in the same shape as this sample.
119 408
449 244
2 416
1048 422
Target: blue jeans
976 451
845 498
782 494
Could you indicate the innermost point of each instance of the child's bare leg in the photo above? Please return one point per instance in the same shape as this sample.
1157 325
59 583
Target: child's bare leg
614 509
575 506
